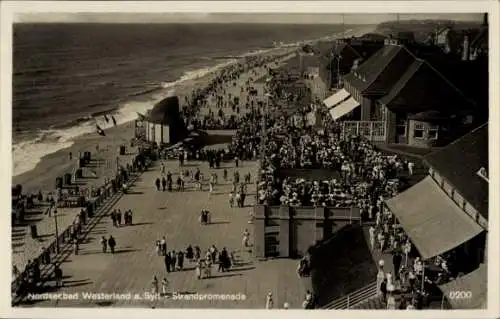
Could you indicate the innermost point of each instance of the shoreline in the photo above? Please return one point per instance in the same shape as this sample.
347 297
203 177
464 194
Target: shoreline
57 163
33 179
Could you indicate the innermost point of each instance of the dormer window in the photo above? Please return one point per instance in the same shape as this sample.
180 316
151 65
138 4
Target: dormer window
483 174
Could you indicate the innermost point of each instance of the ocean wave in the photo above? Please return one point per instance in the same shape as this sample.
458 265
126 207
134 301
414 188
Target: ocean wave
198 73
34 72
27 154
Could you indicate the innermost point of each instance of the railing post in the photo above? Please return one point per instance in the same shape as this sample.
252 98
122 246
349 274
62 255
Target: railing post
348 301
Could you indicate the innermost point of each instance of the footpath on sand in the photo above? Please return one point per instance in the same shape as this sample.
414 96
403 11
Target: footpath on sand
176 215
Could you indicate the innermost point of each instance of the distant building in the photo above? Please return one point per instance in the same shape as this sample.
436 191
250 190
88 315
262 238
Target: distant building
399 98
350 52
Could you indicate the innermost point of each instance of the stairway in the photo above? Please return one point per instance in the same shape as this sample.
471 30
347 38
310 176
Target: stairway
364 296
372 303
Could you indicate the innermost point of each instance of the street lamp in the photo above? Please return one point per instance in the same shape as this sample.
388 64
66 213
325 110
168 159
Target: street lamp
57 228
338 70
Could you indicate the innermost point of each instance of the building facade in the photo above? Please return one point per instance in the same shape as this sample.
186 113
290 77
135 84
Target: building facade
288 232
453 218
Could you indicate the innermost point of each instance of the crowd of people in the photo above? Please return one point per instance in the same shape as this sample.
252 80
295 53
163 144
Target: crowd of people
363 173
217 90
202 262
413 283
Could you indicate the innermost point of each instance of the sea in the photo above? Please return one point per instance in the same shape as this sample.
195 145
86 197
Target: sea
67 75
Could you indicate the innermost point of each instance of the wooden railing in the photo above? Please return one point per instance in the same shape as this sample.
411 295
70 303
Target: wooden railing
354 298
374 131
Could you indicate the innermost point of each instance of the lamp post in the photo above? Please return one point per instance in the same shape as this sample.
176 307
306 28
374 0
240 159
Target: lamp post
57 228
338 71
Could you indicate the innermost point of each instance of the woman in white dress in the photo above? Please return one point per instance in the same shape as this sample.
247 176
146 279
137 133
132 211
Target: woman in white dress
164 286
391 301
269 301
154 285
198 269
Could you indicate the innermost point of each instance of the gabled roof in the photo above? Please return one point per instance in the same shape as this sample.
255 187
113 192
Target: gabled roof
422 88
381 71
166 111
459 163
347 56
429 116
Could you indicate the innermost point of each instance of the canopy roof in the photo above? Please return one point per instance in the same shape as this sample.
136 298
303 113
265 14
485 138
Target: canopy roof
434 223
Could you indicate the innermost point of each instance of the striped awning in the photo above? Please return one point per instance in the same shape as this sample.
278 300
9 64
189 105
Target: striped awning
336 98
432 220
343 108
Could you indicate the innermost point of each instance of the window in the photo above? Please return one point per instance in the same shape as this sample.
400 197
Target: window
400 126
433 132
418 130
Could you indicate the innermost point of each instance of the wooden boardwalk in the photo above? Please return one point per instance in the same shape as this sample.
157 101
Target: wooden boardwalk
176 215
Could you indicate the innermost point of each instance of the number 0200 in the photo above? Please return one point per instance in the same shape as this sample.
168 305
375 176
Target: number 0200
459 294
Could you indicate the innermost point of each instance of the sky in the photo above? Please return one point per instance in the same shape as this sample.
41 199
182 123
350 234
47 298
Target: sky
181 17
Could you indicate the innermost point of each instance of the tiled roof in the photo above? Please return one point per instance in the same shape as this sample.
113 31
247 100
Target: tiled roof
422 88
459 163
382 70
348 55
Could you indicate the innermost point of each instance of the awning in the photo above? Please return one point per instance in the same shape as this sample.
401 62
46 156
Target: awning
434 223
472 290
343 108
336 98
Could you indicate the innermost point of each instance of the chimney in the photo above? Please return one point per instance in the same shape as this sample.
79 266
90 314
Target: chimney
465 50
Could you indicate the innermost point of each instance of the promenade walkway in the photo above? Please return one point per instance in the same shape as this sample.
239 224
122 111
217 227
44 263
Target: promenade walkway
24 247
176 215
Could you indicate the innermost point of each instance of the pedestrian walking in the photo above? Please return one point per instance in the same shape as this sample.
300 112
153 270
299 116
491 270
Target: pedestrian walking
112 244
154 285
246 238
163 183
173 264
157 183
163 246
76 247
113 218
58 275
164 286
269 301
411 166
180 260
371 232
104 244
198 269
168 262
